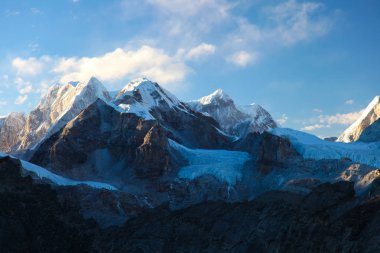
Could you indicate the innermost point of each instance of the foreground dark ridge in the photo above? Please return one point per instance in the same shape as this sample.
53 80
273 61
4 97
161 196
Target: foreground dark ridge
329 219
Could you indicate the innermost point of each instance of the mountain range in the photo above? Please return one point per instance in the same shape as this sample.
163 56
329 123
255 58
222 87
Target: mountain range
121 158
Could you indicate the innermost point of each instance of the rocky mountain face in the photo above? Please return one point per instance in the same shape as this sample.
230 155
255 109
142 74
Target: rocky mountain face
371 133
33 220
103 143
234 120
10 128
186 126
369 116
200 176
129 136
329 219
125 142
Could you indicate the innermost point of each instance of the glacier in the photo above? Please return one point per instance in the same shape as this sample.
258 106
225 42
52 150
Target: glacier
312 147
225 165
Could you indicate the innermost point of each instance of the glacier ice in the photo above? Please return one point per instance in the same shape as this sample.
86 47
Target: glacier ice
225 165
312 147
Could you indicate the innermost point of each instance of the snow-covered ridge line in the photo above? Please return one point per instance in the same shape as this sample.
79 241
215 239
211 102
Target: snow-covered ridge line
311 147
225 165
59 180
370 114
234 119
141 96
212 98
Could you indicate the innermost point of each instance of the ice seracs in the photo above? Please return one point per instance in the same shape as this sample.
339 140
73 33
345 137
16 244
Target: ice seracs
369 116
225 165
233 119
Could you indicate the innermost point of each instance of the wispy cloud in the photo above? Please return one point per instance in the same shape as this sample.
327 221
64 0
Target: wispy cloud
21 99
295 22
35 11
23 87
284 25
201 51
243 58
314 127
185 24
327 121
340 118
283 119
349 102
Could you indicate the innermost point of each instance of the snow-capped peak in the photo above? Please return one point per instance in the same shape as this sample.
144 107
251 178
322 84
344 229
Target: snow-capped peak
233 119
92 88
215 97
61 104
369 115
143 95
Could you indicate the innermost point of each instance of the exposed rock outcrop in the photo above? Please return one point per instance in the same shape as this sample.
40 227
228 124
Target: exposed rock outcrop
33 220
326 220
10 128
371 133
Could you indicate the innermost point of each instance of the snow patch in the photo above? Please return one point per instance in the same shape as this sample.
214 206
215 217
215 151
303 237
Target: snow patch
59 180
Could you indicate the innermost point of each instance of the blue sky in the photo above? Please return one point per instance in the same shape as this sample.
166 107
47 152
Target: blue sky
312 64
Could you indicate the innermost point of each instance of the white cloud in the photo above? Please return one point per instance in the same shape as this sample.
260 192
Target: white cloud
283 119
31 66
23 87
243 58
201 51
146 61
340 119
314 127
328 121
317 110
21 99
349 102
